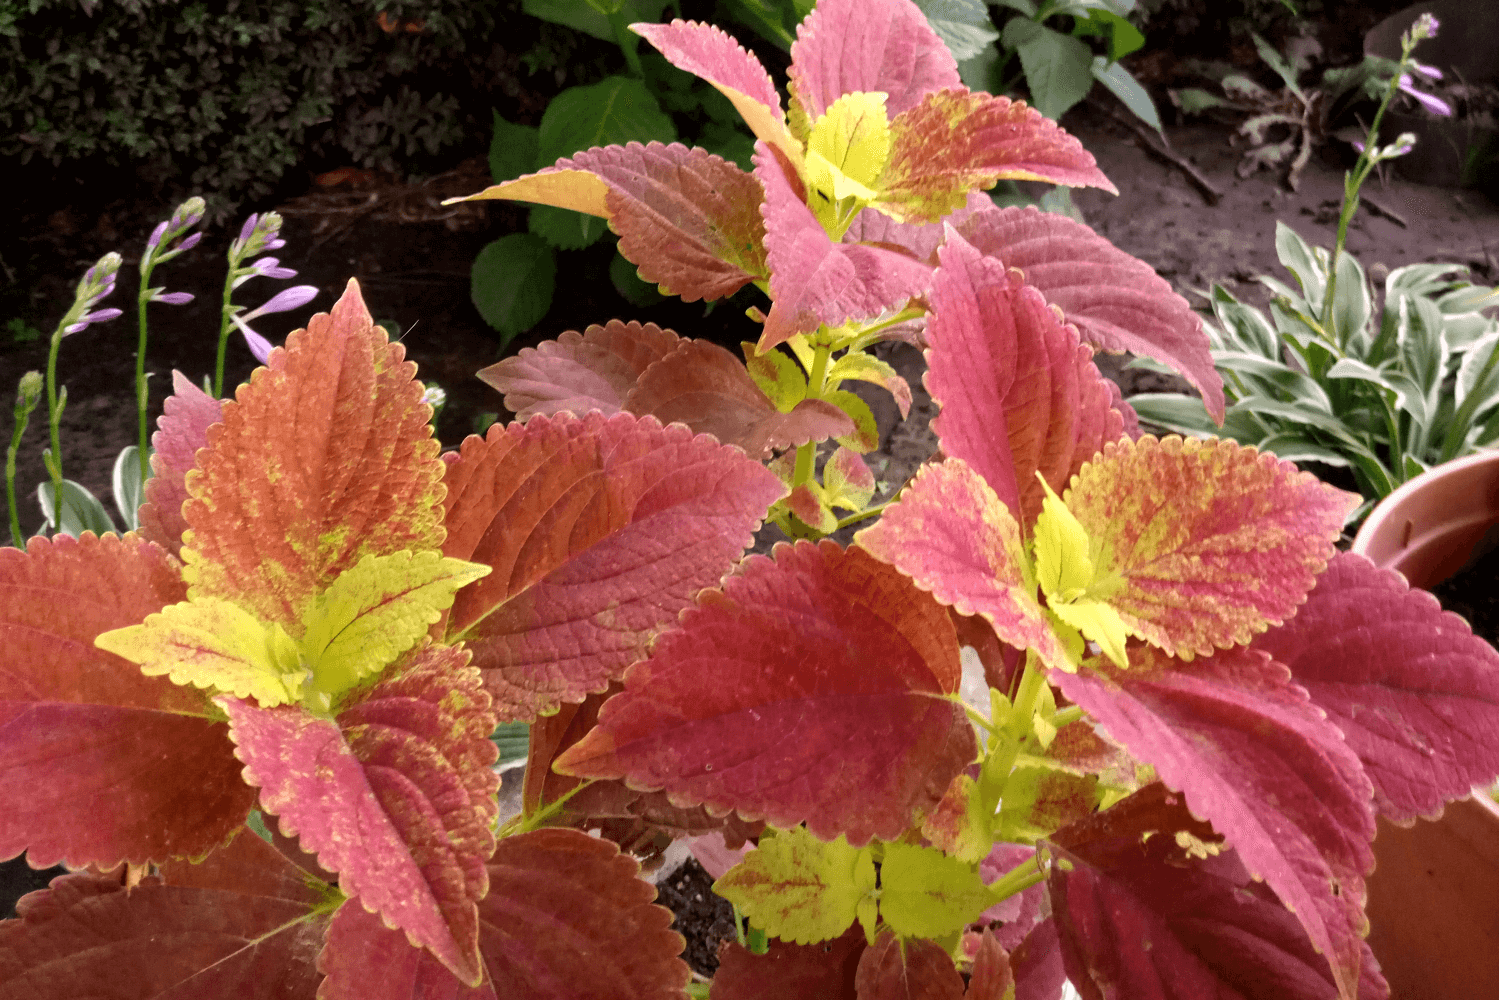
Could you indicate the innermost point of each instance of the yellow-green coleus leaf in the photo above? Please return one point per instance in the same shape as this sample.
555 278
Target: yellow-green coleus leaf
1076 578
210 643
377 610
799 888
925 893
846 154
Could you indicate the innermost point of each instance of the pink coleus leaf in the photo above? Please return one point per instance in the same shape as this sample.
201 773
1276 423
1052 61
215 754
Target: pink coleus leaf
896 968
706 387
709 53
1213 930
362 959
824 970
955 141
849 46
1019 394
954 538
96 759
579 372
991 978
1254 757
182 430
765 699
1117 302
244 925
689 220
396 795
1038 964
600 529
813 279
326 456
1210 541
1411 688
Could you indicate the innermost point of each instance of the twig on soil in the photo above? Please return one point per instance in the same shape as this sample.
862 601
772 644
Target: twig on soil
1144 138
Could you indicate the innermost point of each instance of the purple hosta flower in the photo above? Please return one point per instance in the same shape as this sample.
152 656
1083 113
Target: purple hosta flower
171 237
1431 72
259 234
1432 104
268 267
283 301
97 282
1425 26
170 298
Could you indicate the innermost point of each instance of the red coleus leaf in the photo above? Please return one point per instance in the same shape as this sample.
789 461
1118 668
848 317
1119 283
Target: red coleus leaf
849 46
804 691
362 959
326 456
825 970
579 372
688 219
396 795
706 387
907 969
182 430
244 925
96 759
1141 917
1038 964
1211 541
600 529
991 978
955 141
1019 394
1255 758
813 279
1411 688
1117 302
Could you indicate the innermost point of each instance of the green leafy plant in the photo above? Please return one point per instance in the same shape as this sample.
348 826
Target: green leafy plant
1327 377
273 715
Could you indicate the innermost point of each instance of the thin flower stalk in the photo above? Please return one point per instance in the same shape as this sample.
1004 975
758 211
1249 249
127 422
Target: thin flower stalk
28 393
169 239
260 234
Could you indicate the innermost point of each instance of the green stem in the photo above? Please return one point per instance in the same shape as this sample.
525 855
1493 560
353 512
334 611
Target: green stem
868 512
23 417
546 812
1023 876
806 453
627 43
54 419
224 314
140 362
1068 715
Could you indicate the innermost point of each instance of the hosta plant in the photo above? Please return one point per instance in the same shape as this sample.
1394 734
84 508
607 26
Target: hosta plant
258 729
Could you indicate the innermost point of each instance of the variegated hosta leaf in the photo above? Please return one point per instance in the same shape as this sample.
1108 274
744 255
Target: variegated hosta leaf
814 280
810 689
1019 394
599 529
1117 302
326 456
1254 757
1411 688
956 141
97 759
594 370
182 430
1211 541
870 46
396 795
954 538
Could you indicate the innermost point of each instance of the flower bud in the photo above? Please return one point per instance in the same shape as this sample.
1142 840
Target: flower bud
29 390
1425 26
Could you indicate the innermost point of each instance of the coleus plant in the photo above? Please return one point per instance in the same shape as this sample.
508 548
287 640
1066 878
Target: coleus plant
1195 706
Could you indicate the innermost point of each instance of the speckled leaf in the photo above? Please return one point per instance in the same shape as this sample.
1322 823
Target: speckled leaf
803 691
799 888
1140 917
1254 757
244 926
813 279
600 529
706 387
96 759
951 534
1019 394
907 969
709 53
846 46
579 372
1117 302
825 970
956 141
396 795
1410 687
182 429
1212 541
326 456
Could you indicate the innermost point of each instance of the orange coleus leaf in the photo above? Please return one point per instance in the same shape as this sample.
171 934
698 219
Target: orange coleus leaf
1211 542
955 141
764 700
183 427
579 372
326 456
96 759
600 529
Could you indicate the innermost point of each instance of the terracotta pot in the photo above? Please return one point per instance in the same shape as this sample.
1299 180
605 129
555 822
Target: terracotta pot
1433 896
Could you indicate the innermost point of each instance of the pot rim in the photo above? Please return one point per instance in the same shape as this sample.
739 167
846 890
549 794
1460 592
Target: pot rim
1426 529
